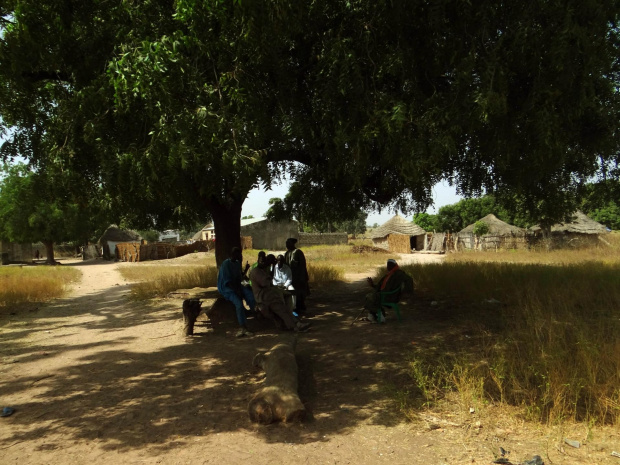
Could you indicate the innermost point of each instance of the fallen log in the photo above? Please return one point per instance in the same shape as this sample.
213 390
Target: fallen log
278 399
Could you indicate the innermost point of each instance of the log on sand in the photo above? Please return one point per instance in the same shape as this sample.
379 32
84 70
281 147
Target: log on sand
278 400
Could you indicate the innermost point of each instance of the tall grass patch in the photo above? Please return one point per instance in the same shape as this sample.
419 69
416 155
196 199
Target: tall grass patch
343 258
158 281
540 337
607 251
324 273
34 284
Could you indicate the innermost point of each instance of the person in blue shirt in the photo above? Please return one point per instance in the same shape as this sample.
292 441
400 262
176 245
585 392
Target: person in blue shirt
229 285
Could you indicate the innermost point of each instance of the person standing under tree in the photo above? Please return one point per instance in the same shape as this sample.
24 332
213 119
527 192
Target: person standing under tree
296 259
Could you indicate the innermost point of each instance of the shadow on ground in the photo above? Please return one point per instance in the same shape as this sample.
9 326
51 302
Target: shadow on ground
157 391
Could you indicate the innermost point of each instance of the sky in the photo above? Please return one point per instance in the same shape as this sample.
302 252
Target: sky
257 202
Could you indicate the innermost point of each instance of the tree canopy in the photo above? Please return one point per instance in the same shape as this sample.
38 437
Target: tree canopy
179 108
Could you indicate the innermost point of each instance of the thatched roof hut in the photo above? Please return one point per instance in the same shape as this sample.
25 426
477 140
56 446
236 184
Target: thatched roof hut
399 235
580 224
497 227
114 235
501 235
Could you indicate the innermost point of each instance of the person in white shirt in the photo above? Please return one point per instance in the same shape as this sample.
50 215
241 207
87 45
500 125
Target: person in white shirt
283 278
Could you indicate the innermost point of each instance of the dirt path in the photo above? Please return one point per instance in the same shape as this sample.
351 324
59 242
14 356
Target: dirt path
97 379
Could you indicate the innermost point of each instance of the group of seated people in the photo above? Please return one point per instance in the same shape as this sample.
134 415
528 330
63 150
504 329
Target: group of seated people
268 289
276 288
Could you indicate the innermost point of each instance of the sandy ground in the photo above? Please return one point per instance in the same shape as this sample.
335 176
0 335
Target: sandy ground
95 379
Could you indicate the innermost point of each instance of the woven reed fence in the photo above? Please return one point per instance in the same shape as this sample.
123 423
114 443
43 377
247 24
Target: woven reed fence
399 243
137 252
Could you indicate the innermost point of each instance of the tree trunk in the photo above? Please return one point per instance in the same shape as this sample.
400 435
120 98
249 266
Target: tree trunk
278 400
227 225
49 251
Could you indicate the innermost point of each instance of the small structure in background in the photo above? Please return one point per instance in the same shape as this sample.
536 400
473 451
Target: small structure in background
207 233
169 235
399 235
113 236
14 252
581 231
499 235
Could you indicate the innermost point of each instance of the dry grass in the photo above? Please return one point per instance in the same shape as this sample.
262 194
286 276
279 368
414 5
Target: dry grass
159 280
343 258
607 251
320 274
34 284
542 336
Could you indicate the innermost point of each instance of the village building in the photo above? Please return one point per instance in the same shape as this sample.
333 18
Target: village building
399 235
500 235
169 235
269 235
113 236
207 233
14 252
581 231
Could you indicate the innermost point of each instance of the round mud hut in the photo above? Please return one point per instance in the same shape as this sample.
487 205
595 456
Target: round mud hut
399 235
500 235
114 235
581 231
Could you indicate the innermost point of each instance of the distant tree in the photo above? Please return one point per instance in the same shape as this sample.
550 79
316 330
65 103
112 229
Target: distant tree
36 207
426 221
149 235
248 217
456 216
355 226
278 210
375 225
602 204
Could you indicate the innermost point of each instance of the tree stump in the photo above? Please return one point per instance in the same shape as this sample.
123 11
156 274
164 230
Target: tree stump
221 311
278 400
191 310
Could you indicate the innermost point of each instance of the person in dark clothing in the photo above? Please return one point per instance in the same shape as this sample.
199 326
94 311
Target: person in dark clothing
229 285
296 260
394 279
270 299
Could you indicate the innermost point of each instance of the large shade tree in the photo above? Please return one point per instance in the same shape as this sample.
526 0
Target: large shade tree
180 108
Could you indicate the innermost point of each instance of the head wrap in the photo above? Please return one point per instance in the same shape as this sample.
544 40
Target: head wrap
392 261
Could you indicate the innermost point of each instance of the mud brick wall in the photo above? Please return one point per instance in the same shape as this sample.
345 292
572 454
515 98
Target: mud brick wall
268 235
